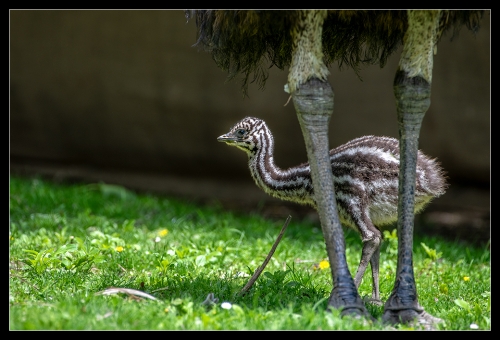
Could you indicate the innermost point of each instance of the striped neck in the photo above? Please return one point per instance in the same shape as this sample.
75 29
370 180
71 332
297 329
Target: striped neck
293 184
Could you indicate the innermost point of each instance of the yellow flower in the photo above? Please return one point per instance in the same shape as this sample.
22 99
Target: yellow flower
324 264
466 278
163 232
119 249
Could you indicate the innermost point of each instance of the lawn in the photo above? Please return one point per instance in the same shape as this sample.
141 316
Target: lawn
185 265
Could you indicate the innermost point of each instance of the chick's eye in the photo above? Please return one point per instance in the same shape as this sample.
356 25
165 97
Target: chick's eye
240 132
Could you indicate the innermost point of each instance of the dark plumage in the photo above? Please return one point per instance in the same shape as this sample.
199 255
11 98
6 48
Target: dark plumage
249 42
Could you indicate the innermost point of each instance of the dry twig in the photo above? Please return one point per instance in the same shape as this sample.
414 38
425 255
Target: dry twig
259 270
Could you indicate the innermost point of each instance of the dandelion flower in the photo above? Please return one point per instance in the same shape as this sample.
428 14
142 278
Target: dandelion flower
324 264
466 278
163 232
119 249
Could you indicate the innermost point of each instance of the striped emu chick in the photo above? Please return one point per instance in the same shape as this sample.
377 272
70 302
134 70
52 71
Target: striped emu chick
365 173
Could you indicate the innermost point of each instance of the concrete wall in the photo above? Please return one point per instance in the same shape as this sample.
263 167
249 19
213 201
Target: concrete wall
121 95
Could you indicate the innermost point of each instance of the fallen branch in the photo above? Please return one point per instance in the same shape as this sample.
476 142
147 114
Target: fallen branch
259 270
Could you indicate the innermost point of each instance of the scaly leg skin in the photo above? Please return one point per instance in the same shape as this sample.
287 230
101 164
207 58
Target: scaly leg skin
313 103
412 89
402 305
374 263
370 254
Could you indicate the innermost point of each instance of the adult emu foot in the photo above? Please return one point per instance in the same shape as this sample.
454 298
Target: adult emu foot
412 317
348 303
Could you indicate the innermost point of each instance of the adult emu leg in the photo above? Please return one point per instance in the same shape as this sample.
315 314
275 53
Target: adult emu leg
313 100
412 89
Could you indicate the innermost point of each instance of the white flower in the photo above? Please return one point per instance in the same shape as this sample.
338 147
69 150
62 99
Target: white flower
157 239
226 305
474 326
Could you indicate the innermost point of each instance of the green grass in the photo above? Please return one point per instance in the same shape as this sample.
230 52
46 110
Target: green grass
69 242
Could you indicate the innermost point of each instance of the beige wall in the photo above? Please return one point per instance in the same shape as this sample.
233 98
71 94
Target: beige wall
125 91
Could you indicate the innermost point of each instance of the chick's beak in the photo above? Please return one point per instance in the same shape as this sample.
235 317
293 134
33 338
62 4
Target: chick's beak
226 138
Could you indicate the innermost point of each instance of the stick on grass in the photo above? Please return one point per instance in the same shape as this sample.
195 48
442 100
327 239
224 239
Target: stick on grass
259 270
